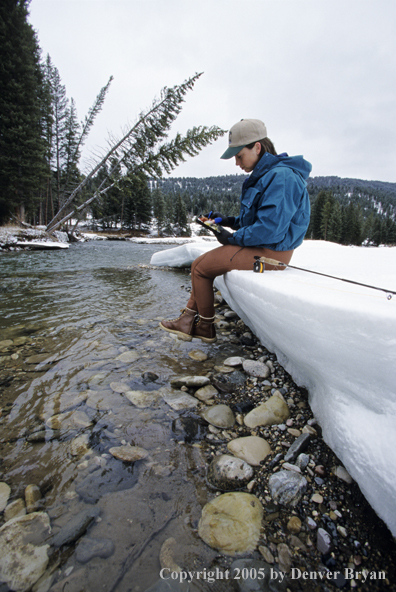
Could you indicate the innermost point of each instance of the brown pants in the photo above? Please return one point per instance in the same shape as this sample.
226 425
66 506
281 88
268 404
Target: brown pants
218 261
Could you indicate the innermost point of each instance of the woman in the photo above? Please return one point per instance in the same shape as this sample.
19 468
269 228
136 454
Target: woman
272 222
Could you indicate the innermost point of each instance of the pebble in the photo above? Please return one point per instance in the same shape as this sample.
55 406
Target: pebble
119 387
317 498
128 357
302 461
290 467
266 553
221 416
178 400
343 474
294 525
252 449
284 558
323 541
298 446
231 523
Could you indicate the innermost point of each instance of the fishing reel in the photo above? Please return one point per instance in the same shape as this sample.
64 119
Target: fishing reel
258 265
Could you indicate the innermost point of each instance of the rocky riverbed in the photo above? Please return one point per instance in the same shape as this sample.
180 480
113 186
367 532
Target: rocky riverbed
279 503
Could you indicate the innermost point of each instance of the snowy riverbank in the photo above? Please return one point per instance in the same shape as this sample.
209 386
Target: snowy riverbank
335 338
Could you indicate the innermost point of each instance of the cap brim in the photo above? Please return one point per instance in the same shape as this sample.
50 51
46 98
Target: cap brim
230 152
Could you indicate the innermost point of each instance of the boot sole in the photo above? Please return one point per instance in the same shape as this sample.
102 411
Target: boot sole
184 336
205 339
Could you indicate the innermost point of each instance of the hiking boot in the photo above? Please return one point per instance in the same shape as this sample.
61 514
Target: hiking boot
182 326
204 329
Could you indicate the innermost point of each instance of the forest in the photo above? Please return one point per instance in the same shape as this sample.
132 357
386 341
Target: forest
130 188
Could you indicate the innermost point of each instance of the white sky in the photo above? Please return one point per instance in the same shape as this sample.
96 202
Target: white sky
319 73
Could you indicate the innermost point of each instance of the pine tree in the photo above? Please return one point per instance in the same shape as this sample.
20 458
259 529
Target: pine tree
315 229
22 148
334 228
159 209
143 147
180 216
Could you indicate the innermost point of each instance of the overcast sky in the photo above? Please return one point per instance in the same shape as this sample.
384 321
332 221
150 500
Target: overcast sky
319 73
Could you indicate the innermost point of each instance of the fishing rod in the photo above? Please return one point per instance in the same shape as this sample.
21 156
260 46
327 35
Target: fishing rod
259 267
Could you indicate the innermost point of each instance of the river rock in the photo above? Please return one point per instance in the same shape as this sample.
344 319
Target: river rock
294 525
32 498
284 557
178 400
79 446
252 449
231 523
224 369
287 487
129 453
143 399
104 401
5 491
221 416
228 473
75 527
256 369
189 381
343 474
198 355
69 420
230 314
23 556
206 393
119 387
273 411
167 556
234 361
5 343
15 509
323 541
89 548
128 357
298 446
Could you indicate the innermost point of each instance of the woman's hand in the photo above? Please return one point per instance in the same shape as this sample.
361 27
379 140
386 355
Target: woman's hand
220 219
223 236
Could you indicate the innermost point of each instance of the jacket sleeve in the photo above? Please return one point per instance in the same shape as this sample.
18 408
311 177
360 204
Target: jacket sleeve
269 210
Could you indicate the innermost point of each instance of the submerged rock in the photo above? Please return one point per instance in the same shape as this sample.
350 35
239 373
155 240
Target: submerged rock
129 453
32 498
228 473
69 420
220 416
75 527
198 355
231 523
23 551
178 400
206 393
143 399
189 381
5 491
88 548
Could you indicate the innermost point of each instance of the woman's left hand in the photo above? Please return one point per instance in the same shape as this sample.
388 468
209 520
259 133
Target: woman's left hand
223 236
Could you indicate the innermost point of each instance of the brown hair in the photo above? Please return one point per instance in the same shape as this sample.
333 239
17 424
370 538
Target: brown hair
266 146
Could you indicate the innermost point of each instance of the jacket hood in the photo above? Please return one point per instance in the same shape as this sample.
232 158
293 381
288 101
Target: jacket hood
269 161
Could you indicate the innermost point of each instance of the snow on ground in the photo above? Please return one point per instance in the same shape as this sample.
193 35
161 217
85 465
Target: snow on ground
335 338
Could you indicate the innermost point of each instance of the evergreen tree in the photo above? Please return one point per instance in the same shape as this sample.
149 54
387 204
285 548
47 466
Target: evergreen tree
22 148
327 211
315 228
334 228
159 210
137 200
180 217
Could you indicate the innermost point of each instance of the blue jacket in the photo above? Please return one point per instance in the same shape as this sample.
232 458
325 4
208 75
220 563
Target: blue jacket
275 207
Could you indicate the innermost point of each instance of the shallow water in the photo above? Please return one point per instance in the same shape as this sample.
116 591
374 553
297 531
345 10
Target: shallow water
70 314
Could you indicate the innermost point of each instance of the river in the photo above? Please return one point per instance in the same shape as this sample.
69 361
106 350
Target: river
66 318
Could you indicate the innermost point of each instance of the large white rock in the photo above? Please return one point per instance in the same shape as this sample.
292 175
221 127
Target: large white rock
251 449
23 557
231 523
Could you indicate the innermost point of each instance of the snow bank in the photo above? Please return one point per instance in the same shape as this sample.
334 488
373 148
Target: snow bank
336 339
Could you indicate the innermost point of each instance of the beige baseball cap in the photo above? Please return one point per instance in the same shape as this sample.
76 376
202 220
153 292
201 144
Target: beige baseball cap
243 133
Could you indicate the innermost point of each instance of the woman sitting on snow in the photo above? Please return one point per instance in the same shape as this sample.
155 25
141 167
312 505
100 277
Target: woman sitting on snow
272 222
